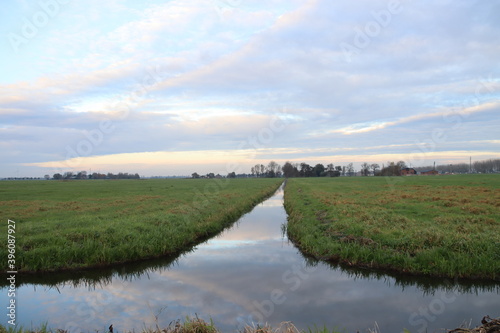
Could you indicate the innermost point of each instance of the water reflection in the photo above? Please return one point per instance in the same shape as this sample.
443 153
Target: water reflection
250 273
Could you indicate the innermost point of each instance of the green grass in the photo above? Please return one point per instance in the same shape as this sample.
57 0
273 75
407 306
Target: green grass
438 226
77 224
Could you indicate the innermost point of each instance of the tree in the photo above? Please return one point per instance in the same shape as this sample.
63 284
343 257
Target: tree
231 175
318 170
374 167
257 170
487 166
305 170
195 175
350 169
81 175
365 169
96 175
272 169
393 169
57 176
289 170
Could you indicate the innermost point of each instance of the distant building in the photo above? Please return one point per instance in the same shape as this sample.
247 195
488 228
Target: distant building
429 172
408 171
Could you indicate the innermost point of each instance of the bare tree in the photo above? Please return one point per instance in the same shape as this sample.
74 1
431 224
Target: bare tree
365 169
350 169
272 169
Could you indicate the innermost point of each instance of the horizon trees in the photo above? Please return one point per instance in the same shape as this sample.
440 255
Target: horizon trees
393 169
83 175
303 169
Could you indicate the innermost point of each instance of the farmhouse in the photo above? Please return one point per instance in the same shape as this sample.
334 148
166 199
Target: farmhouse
408 171
429 172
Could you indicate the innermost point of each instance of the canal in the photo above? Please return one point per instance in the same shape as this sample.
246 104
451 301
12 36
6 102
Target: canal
249 273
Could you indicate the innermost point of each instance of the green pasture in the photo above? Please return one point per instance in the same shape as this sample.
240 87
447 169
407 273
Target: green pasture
432 225
83 223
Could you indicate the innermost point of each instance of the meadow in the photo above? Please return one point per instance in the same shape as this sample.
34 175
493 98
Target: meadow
445 226
63 225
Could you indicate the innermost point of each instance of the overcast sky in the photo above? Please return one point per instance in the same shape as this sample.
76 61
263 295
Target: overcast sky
175 87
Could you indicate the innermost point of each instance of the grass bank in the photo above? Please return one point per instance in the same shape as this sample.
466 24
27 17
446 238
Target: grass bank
439 226
79 224
189 325
197 325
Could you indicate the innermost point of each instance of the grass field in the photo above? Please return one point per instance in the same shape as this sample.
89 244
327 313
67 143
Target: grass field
434 225
75 224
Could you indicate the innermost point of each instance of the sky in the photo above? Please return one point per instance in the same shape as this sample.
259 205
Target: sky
182 86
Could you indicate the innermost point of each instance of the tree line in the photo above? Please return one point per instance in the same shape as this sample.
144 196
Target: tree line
486 166
330 170
391 168
96 175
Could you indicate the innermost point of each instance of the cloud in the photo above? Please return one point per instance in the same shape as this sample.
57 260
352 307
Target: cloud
446 114
197 75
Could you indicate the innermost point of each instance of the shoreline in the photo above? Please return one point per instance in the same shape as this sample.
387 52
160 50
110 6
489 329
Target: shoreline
198 325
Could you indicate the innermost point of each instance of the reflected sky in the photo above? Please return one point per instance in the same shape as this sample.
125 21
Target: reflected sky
251 273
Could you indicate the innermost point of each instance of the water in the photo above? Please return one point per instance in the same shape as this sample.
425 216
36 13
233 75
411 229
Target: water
249 273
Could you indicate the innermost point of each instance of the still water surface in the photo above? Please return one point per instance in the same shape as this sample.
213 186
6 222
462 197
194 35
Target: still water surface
249 273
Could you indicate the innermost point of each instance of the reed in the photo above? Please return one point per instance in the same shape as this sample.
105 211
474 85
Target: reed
189 325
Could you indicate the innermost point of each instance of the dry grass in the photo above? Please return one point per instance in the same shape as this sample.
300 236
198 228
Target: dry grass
489 325
189 325
198 325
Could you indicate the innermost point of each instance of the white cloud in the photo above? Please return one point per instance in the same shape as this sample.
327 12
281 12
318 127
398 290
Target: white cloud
221 72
